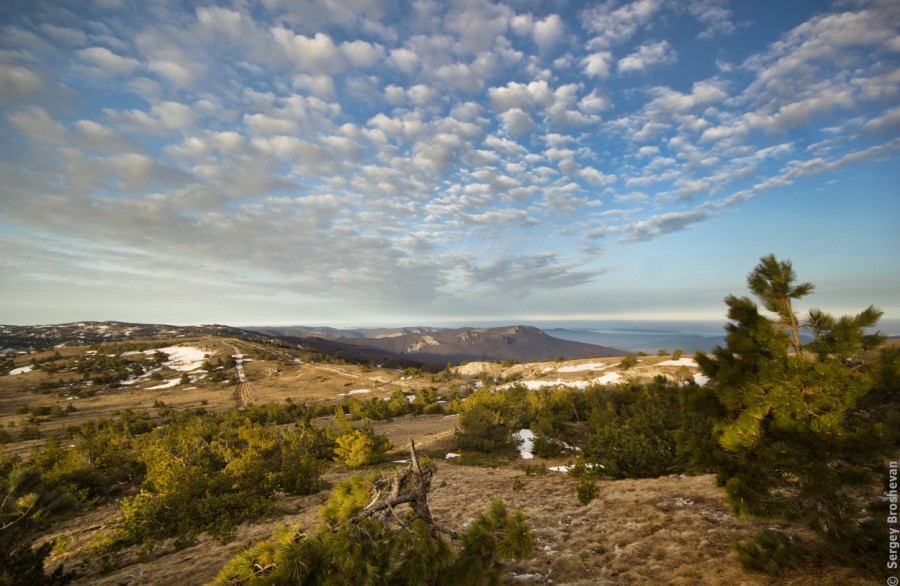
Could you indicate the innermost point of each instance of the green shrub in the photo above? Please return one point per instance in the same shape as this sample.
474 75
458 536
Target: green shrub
360 447
488 419
628 361
586 490
373 535
30 431
631 431
770 551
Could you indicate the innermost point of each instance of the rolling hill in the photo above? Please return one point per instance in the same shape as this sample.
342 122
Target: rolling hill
435 347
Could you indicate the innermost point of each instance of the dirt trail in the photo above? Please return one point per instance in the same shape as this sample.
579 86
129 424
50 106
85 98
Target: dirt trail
243 392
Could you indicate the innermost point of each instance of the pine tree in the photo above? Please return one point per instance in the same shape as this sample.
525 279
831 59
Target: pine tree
772 281
790 435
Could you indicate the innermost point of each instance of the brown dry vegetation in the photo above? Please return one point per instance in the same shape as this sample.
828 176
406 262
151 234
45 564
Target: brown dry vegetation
673 530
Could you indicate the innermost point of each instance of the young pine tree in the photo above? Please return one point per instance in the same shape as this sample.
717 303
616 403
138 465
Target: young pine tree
788 432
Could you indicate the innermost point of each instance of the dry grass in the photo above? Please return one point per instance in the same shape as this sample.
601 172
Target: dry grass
672 530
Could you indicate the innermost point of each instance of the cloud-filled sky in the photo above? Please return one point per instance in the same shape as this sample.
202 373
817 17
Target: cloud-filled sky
362 162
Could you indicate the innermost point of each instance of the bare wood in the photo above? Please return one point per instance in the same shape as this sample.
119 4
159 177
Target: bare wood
416 483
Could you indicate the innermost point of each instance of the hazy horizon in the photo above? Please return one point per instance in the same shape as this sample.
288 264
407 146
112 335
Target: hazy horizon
709 328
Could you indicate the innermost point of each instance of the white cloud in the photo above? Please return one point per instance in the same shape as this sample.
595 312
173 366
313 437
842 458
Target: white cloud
648 55
139 172
167 55
614 25
421 94
546 32
70 36
549 31
318 54
446 144
174 115
18 82
597 64
595 177
101 137
518 274
221 21
505 145
518 95
405 60
662 224
478 24
108 61
714 14
174 72
703 93
37 124
887 122
362 54
516 122
594 102
319 85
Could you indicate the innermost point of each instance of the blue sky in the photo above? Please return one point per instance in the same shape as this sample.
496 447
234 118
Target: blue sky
357 162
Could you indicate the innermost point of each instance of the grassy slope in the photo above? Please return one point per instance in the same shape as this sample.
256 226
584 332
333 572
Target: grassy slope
667 530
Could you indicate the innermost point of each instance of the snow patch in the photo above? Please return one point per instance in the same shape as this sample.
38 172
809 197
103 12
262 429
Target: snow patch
450 456
583 367
356 392
567 469
528 577
609 378
166 385
525 439
182 358
536 385
701 379
679 362
22 370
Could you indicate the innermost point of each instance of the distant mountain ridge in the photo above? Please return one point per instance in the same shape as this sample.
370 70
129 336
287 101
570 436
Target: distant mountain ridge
328 333
423 347
438 346
93 332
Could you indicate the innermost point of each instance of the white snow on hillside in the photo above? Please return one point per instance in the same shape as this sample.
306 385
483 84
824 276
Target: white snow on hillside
356 392
536 385
525 439
567 469
182 358
166 385
679 362
701 379
583 367
609 378
22 370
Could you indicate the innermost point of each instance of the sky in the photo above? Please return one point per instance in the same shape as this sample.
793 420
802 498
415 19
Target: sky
363 162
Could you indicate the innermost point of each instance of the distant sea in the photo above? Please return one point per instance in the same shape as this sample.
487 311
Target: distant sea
650 336
642 336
